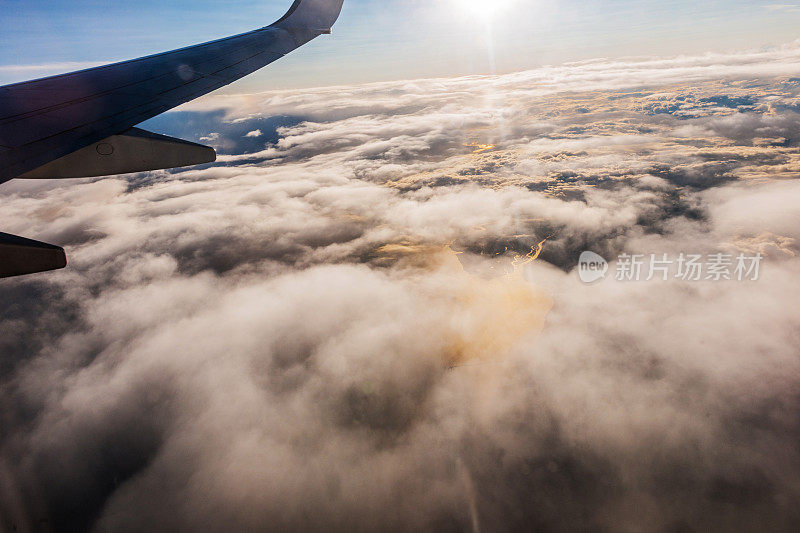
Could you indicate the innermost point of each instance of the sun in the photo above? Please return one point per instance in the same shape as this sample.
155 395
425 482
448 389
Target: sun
483 8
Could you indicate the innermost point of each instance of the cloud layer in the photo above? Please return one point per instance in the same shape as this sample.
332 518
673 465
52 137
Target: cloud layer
346 323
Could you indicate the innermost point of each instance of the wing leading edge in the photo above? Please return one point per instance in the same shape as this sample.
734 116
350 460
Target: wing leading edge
82 124
46 119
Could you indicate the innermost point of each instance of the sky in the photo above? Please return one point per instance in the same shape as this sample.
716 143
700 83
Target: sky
388 39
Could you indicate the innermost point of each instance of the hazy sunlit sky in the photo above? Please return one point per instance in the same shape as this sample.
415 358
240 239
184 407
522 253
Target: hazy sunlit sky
388 39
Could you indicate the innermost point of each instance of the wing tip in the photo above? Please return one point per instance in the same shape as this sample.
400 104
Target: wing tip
313 15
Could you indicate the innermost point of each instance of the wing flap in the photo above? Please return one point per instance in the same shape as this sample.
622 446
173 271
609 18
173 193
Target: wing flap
19 256
133 151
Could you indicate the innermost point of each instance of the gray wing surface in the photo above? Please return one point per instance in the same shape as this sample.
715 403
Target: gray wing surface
44 120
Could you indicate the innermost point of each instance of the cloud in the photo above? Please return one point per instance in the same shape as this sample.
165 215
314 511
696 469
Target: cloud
349 325
790 8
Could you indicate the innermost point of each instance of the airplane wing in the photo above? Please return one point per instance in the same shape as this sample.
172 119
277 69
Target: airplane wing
82 124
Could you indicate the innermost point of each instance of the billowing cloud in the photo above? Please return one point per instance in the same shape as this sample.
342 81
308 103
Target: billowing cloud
367 317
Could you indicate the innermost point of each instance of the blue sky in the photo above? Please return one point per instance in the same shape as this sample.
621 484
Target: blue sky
388 39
